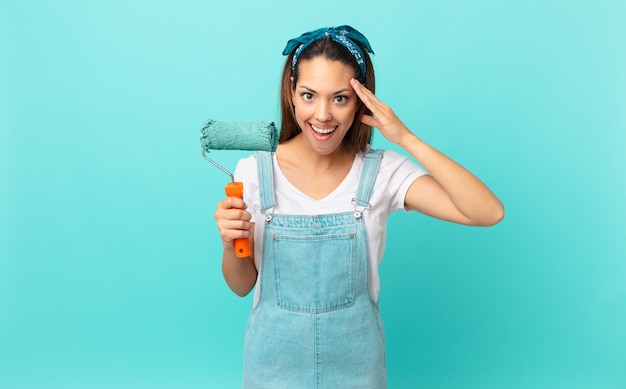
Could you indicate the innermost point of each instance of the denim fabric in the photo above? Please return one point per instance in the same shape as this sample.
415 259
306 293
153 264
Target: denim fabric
315 324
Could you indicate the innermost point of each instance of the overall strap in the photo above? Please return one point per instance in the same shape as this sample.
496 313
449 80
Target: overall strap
368 178
265 169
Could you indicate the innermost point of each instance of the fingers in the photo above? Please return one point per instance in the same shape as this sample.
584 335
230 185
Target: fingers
232 202
382 116
369 121
381 113
233 221
367 97
361 91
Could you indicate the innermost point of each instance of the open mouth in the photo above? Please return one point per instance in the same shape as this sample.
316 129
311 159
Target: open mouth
323 131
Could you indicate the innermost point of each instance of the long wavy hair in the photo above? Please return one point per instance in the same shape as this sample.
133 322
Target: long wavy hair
359 135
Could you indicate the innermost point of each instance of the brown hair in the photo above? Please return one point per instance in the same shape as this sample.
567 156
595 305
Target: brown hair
359 135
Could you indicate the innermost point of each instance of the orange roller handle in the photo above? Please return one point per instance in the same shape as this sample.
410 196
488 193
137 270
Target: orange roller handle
242 245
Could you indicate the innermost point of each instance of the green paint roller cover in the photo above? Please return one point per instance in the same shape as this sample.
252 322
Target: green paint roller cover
218 135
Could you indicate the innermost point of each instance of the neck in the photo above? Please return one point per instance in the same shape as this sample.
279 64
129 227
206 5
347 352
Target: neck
298 151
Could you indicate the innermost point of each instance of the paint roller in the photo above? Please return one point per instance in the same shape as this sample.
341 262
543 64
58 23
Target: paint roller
253 136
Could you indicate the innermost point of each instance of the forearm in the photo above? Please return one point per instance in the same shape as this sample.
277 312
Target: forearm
470 196
239 273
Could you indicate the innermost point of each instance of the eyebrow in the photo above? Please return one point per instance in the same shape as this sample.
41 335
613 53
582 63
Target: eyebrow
335 93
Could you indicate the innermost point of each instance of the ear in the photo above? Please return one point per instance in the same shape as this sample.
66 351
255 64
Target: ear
292 89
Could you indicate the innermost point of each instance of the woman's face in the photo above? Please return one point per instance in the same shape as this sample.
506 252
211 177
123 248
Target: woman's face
324 103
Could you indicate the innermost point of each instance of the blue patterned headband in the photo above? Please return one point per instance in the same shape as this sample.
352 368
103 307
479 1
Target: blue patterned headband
344 35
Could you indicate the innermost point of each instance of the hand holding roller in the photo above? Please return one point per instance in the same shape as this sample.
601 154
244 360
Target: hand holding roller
242 245
217 135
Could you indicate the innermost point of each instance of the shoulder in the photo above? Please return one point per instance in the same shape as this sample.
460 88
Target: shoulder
396 174
247 163
391 157
393 161
246 169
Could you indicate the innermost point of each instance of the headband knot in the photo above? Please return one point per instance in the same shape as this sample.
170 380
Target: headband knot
344 35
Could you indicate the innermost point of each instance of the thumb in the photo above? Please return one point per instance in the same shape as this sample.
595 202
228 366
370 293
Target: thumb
369 120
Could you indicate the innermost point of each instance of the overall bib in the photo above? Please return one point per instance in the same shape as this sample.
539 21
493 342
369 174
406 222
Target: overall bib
315 324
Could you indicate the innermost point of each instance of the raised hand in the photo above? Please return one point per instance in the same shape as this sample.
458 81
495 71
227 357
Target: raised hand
450 192
383 117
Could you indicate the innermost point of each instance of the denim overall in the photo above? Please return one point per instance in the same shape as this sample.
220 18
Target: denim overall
315 324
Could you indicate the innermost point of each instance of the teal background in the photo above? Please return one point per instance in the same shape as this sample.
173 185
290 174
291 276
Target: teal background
109 257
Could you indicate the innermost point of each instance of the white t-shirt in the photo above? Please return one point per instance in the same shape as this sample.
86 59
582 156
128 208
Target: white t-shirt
395 175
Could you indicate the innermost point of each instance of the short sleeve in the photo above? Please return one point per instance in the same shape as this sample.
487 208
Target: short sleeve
397 173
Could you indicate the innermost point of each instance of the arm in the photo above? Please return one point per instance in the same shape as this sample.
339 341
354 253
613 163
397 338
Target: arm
233 222
450 192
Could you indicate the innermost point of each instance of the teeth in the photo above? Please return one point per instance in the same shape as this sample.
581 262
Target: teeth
323 130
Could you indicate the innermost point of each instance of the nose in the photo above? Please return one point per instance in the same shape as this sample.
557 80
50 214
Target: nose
323 112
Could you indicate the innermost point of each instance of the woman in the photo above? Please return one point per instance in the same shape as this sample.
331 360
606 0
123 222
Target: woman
315 212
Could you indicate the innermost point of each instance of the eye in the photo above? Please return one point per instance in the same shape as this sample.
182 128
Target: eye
306 96
341 99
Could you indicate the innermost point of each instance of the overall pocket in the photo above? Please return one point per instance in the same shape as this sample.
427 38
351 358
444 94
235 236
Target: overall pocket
315 273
